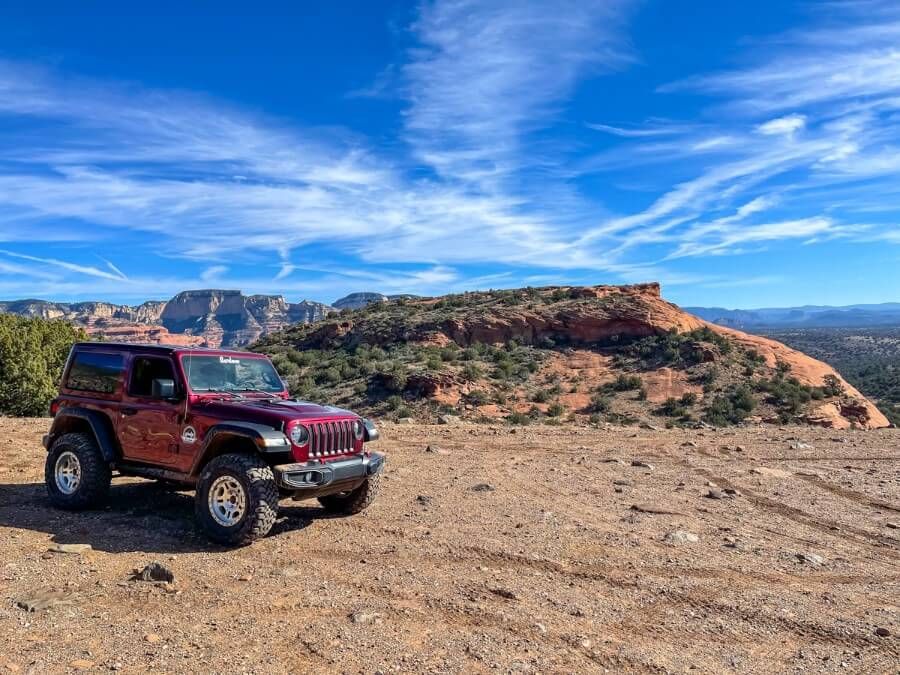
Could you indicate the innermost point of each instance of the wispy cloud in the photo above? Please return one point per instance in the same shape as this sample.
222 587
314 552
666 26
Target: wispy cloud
72 267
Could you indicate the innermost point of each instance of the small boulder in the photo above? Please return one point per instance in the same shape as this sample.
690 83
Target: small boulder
482 487
641 464
813 559
679 537
154 572
363 616
881 631
74 549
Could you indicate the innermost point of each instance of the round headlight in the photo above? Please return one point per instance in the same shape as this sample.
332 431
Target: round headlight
358 429
300 435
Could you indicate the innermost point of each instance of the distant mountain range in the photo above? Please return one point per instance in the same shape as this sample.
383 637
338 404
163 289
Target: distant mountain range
228 318
809 316
209 317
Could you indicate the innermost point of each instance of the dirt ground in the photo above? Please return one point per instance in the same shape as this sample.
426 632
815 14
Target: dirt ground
539 549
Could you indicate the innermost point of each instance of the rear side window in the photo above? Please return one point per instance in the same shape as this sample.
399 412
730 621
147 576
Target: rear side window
95 371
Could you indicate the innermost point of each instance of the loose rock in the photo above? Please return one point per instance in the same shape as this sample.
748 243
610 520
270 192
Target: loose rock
642 464
363 616
41 600
75 549
810 559
154 572
881 631
482 487
681 537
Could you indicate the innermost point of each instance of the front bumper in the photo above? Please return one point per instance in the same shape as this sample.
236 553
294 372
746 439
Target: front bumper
315 479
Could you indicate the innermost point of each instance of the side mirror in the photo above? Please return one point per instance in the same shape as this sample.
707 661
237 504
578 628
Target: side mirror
163 389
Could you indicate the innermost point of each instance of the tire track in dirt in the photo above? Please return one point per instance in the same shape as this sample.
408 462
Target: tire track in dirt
463 617
852 495
884 544
750 626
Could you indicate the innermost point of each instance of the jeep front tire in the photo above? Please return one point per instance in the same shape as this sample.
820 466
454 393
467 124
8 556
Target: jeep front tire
76 474
354 501
237 499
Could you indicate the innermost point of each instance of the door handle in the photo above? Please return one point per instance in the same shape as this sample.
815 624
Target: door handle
128 411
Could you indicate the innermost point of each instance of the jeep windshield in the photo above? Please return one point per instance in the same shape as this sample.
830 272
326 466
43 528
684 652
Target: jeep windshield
236 374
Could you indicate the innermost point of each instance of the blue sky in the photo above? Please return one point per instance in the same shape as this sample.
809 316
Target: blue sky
743 154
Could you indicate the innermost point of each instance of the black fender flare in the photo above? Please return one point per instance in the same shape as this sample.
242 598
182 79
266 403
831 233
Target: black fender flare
266 439
99 424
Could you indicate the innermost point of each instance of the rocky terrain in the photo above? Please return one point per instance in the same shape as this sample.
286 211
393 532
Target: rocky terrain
491 549
210 318
619 354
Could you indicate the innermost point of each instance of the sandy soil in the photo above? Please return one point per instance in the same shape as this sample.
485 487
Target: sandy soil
549 569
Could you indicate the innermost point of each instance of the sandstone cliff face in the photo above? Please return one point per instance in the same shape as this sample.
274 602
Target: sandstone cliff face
206 317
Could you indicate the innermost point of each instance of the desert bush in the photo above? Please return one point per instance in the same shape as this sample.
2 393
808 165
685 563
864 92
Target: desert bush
833 386
671 407
600 403
33 353
555 410
518 418
540 396
730 407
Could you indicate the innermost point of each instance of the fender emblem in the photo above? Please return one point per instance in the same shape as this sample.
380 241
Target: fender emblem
189 435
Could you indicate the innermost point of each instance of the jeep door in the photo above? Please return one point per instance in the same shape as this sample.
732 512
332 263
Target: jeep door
149 425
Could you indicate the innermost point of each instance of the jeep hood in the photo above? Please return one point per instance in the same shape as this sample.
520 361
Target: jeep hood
272 411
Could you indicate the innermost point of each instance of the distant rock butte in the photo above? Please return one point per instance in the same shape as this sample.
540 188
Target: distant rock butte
213 318
358 300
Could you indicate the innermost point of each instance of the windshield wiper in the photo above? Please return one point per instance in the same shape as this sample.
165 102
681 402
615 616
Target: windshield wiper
262 391
231 392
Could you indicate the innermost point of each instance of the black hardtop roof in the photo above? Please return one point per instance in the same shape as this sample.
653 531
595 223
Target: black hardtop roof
162 349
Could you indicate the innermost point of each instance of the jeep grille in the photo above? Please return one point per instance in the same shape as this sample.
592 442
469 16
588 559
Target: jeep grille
327 439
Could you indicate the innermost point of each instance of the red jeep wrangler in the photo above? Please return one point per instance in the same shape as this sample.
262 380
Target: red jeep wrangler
220 421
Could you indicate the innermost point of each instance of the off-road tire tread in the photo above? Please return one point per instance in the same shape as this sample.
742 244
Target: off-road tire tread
359 500
262 495
95 473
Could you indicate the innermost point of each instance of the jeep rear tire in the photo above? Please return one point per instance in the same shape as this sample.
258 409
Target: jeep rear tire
75 472
350 503
237 499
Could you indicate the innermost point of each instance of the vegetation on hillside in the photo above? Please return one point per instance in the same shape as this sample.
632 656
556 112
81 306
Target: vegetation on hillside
32 355
868 358
425 357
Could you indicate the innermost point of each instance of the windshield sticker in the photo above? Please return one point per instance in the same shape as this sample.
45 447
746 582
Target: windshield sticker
230 361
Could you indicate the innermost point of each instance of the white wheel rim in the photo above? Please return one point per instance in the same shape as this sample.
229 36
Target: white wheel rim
227 501
67 473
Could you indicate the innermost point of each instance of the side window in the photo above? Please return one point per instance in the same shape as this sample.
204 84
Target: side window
95 371
145 369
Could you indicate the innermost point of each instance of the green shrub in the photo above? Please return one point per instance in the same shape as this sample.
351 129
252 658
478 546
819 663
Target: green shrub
555 410
833 386
730 407
672 407
518 418
33 353
627 383
600 403
471 372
